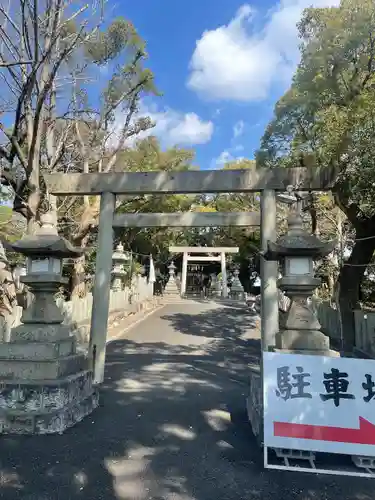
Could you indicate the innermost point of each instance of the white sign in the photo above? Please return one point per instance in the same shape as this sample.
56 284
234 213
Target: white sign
319 403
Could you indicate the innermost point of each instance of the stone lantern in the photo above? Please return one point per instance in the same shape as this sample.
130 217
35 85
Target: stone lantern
171 291
171 270
46 386
237 291
120 261
296 251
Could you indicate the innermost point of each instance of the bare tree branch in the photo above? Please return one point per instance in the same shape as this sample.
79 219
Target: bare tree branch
4 64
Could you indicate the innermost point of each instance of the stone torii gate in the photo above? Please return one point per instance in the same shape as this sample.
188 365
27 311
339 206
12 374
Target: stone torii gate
193 219
108 185
221 257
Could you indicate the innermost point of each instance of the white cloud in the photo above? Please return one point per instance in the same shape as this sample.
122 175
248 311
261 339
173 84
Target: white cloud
104 69
176 128
231 153
238 129
225 157
239 62
189 129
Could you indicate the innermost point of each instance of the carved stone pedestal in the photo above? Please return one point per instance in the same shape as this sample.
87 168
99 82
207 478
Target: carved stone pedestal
45 406
45 386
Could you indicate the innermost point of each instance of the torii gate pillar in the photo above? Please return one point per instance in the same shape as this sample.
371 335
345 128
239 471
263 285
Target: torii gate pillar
268 272
224 275
269 311
184 273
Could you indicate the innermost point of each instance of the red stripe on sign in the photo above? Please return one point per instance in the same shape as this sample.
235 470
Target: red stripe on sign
365 434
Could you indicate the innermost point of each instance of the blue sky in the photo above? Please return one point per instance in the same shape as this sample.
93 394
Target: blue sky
221 66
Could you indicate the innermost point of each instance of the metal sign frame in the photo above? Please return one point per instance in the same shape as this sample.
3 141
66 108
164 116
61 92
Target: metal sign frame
316 470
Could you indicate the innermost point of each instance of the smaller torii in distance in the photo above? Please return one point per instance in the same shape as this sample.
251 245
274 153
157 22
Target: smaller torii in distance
220 257
189 220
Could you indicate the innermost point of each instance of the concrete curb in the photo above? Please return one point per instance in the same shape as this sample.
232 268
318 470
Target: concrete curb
121 321
133 324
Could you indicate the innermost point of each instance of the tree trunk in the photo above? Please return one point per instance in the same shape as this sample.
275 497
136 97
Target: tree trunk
350 279
331 285
33 215
78 282
81 238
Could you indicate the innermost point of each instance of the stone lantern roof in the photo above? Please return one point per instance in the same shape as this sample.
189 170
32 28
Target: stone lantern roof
297 242
45 242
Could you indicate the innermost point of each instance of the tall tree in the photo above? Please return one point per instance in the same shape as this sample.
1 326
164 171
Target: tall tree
327 118
36 39
100 134
56 113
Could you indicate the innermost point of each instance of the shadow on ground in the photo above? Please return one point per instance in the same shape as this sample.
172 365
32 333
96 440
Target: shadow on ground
172 425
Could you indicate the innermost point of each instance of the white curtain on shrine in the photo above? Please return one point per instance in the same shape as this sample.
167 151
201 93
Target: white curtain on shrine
151 276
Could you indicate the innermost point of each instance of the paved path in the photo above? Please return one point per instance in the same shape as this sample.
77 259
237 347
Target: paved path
163 430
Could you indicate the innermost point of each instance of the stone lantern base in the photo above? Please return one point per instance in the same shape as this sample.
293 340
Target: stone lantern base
300 331
45 385
330 353
311 340
236 290
171 292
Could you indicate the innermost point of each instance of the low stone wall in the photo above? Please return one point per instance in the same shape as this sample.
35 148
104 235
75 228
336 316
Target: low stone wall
364 324
122 303
365 332
329 318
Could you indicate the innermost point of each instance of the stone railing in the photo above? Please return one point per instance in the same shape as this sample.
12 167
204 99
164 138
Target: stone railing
364 326
123 302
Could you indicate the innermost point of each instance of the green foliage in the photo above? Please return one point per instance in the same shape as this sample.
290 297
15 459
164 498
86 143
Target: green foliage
106 45
327 115
146 155
326 118
11 227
